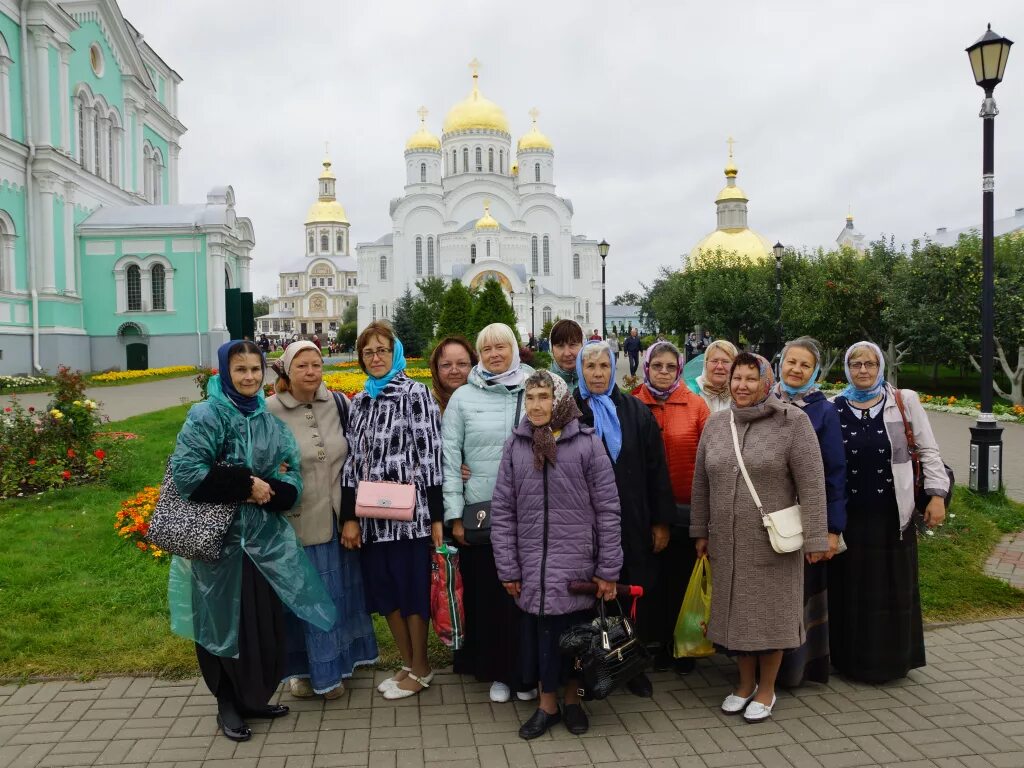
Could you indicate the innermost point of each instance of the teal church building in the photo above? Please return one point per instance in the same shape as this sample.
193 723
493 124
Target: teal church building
100 265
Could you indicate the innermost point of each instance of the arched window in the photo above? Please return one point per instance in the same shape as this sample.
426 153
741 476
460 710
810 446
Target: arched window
81 138
490 159
547 256
312 243
430 256
488 249
534 257
472 254
147 171
479 159
324 241
465 159
576 266
588 310
7 238
501 161
536 171
134 277
455 162
383 267
545 315
158 289
419 256
339 243
114 146
96 142
423 172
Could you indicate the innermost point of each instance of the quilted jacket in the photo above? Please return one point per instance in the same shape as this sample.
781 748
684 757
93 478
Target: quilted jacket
556 525
681 417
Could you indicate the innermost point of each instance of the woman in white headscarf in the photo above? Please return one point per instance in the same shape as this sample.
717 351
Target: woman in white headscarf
714 382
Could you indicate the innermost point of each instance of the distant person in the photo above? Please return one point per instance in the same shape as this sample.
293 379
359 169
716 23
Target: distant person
264 343
596 335
632 348
691 346
613 345
706 341
532 343
543 345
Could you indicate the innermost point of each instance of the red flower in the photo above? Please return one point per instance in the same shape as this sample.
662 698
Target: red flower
7 410
31 462
71 453
100 454
31 409
66 475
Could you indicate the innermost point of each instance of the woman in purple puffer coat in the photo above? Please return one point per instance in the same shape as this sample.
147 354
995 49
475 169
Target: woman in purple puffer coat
554 520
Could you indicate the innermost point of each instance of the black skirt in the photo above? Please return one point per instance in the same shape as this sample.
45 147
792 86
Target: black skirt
874 602
251 679
542 659
810 662
660 609
490 652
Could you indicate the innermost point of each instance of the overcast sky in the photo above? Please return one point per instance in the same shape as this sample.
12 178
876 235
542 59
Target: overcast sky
832 104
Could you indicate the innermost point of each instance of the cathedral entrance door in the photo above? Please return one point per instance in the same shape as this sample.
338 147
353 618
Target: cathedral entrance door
302 328
137 357
318 328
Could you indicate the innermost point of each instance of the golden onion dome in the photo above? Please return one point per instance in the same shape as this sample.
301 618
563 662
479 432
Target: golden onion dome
731 192
534 139
745 243
326 211
475 112
327 173
423 138
487 222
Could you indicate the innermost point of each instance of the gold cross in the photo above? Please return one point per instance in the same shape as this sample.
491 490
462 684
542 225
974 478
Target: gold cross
730 141
327 148
423 112
534 113
474 66
487 207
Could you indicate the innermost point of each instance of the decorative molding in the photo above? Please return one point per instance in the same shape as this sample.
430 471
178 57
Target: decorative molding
135 247
100 248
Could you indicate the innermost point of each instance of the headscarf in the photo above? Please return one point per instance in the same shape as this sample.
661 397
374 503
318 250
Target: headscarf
652 351
606 418
563 411
244 403
571 377
293 350
705 385
442 393
863 395
764 369
512 377
796 395
373 384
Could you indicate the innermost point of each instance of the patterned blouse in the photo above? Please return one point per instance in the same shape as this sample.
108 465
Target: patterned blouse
396 437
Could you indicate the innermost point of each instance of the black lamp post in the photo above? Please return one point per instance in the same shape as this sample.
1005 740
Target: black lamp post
602 248
533 308
988 61
779 249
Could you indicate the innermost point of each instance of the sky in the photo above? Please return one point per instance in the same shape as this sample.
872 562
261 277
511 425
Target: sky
868 107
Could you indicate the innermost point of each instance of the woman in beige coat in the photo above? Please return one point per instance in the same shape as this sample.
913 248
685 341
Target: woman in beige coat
318 662
756 593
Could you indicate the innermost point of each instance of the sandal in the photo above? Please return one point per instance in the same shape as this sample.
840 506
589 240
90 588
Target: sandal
394 692
391 681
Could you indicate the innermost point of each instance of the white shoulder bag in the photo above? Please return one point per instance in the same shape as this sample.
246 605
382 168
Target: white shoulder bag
785 527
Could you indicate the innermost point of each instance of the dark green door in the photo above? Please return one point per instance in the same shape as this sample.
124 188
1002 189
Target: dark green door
138 357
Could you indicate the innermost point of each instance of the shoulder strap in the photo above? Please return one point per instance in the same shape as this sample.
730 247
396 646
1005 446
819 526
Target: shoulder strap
343 406
908 429
519 408
743 467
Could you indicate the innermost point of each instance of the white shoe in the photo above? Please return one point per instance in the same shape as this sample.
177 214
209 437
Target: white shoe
395 692
734 704
500 693
300 687
390 682
529 695
756 711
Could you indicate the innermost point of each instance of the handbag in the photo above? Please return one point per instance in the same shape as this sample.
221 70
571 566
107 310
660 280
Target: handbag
921 498
785 526
606 653
476 517
194 530
384 499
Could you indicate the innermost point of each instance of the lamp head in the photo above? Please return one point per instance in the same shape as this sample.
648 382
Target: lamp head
988 57
779 249
603 247
532 284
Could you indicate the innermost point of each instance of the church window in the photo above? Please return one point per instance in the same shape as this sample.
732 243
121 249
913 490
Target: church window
96 143
311 243
536 171
134 278
423 172
158 177
430 256
547 255
501 161
545 315
488 249
339 243
534 258
156 276
479 159
455 162
490 159
324 241
81 131
576 266
330 282
374 308
472 254
465 159
588 310
383 267
419 256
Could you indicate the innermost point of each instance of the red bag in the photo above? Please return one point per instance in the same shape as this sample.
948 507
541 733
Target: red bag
446 605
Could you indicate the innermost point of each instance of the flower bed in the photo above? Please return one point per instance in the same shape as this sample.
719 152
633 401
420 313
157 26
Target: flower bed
21 382
964 406
149 372
352 383
132 520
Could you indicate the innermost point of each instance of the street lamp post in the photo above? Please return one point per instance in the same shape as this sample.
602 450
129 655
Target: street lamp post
602 248
533 308
779 249
988 57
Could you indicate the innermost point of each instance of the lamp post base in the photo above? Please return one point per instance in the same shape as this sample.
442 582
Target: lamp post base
986 464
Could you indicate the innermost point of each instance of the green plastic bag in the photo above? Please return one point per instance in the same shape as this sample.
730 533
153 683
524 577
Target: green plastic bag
691 635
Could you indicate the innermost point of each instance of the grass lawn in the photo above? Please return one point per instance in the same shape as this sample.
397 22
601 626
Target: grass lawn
76 601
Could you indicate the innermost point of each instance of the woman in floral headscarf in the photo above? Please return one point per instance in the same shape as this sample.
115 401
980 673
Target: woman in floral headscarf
756 593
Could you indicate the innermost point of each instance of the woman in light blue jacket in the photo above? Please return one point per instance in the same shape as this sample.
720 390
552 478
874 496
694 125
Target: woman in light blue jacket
477 422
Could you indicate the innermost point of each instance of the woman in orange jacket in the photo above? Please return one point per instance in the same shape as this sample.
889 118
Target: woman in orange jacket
680 415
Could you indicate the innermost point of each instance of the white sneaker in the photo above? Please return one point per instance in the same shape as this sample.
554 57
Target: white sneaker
756 711
500 693
300 687
529 695
734 704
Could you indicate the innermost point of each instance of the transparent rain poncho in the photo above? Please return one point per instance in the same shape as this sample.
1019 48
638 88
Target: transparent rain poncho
205 598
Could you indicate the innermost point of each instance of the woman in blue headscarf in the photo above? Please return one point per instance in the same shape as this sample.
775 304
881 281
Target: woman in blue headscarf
634 443
798 385
394 436
231 450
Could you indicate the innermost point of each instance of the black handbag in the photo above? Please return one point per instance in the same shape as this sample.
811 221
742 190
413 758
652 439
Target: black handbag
606 653
194 530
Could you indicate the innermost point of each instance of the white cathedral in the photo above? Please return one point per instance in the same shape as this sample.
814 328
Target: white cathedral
473 211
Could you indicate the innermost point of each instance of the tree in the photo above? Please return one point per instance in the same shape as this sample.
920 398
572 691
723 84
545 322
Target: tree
492 306
350 313
346 336
626 298
545 330
456 315
261 306
404 323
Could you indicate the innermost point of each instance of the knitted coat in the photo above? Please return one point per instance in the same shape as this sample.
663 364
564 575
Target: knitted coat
556 525
757 594
681 418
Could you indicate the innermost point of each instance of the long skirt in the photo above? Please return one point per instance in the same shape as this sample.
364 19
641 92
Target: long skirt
251 679
810 662
874 602
675 566
542 659
327 658
491 649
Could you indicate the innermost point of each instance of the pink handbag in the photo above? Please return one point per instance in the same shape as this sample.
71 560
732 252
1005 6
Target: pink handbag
387 501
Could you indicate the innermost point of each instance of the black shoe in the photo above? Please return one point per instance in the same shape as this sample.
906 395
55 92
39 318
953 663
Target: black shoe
640 686
662 660
235 734
576 719
538 724
269 712
684 666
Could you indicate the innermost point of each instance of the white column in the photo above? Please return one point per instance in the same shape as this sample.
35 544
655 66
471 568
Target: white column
70 257
5 95
172 169
215 281
65 98
42 87
140 117
105 159
47 268
88 148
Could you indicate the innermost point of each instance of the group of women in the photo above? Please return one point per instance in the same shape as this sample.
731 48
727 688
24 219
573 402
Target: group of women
543 478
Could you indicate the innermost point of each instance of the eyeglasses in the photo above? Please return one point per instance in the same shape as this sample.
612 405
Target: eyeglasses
719 363
381 352
660 368
864 366
459 366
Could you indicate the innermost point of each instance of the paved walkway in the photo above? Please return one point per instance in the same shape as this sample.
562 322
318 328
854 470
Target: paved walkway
964 709
129 399
1007 560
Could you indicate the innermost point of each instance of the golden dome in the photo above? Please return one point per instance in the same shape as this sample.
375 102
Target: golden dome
423 138
475 112
731 192
534 139
487 222
326 211
327 172
745 243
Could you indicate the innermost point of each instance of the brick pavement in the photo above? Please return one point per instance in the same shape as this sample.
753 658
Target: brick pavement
964 710
1007 560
